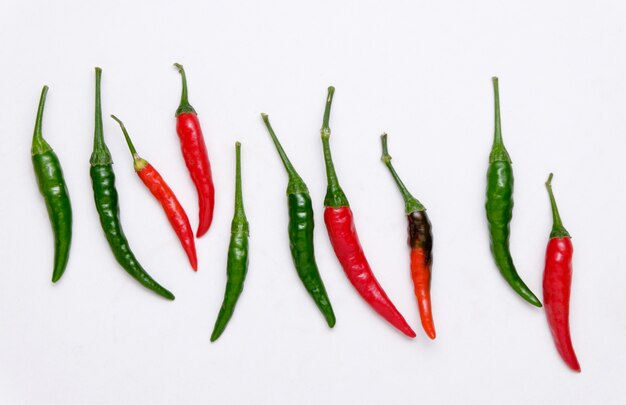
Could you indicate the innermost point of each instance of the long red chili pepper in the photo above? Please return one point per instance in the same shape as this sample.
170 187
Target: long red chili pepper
345 241
557 280
196 156
175 213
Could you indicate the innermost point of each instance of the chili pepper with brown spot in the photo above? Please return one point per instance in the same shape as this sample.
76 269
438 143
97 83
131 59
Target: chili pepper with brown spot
421 243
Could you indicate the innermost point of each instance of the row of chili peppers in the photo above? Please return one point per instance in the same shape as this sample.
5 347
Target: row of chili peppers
338 218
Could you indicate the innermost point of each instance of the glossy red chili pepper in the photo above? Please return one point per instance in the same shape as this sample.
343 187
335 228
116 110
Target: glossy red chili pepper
196 156
175 212
345 241
557 280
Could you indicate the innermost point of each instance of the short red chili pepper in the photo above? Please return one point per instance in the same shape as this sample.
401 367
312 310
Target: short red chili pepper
557 280
345 241
196 156
421 244
175 212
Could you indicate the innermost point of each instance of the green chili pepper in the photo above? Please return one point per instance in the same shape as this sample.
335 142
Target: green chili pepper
237 266
301 225
105 195
54 191
499 207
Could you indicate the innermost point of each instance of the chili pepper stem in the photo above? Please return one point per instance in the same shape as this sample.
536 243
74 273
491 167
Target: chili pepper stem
138 163
39 144
411 203
239 211
184 106
498 151
296 184
335 196
100 154
558 230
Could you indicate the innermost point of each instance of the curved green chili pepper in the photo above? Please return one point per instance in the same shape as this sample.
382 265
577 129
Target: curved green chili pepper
301 225
54 191
499 207
237 266
105 195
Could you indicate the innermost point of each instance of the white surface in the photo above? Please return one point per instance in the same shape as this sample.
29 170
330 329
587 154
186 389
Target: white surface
419 71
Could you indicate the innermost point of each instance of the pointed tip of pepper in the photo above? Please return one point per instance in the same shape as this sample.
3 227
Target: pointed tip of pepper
55 278
215 335
167 295
330 320
431 334
406 329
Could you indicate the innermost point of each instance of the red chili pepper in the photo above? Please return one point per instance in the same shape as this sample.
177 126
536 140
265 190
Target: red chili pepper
164 194
557 280
345 241
196 156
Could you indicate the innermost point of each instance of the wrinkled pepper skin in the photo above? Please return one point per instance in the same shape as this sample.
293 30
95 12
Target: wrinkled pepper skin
301 226
421 244
196 157
345 241
237 264
105 195
52 187
499 208
106 200
174 211
557 281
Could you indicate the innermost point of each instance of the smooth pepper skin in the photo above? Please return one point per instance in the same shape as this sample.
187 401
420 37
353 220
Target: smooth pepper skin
237 264
557 281
106 199
345 240
420 241
54 191
159 188
499 207
301 226
196 157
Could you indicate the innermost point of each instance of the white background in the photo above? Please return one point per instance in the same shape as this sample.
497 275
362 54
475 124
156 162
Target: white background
418 70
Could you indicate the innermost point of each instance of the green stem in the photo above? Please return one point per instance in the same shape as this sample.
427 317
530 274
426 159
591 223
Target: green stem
335 197
498 151
129 142
184 106
296 184
558 230
100 154
239 211
411 203
40 145
139 163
